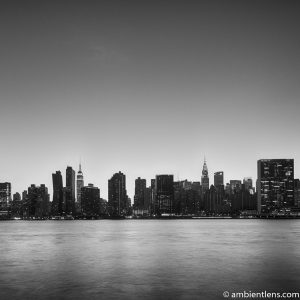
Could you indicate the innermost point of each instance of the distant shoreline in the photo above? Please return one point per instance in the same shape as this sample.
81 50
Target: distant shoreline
164 218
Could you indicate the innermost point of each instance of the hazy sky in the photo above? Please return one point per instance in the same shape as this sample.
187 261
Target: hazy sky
147 87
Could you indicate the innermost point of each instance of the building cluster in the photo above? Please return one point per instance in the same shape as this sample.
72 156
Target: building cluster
186 198
277 193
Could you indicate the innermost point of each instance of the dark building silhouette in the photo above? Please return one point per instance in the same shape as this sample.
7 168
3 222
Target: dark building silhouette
214 201
147 201
17 206
205 178
17 197
79 185
118 202
70 192
142 197
90 200
297 193
275 189
37 202
24 195
5 196
219 179
164 194
152 197
139 193
186 197
58 199
243 199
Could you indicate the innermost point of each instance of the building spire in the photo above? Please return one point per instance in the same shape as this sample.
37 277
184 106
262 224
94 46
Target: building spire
204 177
204 170
80 165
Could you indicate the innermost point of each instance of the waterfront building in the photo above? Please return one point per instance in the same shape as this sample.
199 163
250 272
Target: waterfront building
90 200
243 200
37 202
214 201
164 194
147 201
70 192
79 185
205 178
118 202
5 195
297 193
186 197
58 199
16 206
139 193
150 198
275 189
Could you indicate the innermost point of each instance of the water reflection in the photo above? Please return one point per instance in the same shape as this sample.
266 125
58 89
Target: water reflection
127 259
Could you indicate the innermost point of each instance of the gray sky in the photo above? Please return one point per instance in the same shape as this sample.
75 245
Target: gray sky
147 87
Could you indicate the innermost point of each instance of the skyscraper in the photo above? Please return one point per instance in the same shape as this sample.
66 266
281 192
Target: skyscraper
90 200
297 192
164 192
275 185
118 204
57 203
140 192
70 191
5 195
218 179
205 178
79 185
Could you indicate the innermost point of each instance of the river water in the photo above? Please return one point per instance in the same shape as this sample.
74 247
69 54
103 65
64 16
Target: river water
147 259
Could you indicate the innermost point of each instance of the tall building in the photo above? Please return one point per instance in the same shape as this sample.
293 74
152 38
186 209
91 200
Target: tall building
205 178
58 198
275 185
79 185
90 200
70 192
5 195
297 192
118 204
140 193
164 192
218 179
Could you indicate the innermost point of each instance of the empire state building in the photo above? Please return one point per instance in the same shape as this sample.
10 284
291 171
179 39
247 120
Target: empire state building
80 184
205 178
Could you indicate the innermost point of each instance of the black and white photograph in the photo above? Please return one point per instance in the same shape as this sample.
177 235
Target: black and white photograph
150 149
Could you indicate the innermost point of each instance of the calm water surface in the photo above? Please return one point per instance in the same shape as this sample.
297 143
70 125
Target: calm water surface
147 259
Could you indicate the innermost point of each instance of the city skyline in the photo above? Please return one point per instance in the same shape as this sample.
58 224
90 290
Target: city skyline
277 195
66 180
147 88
